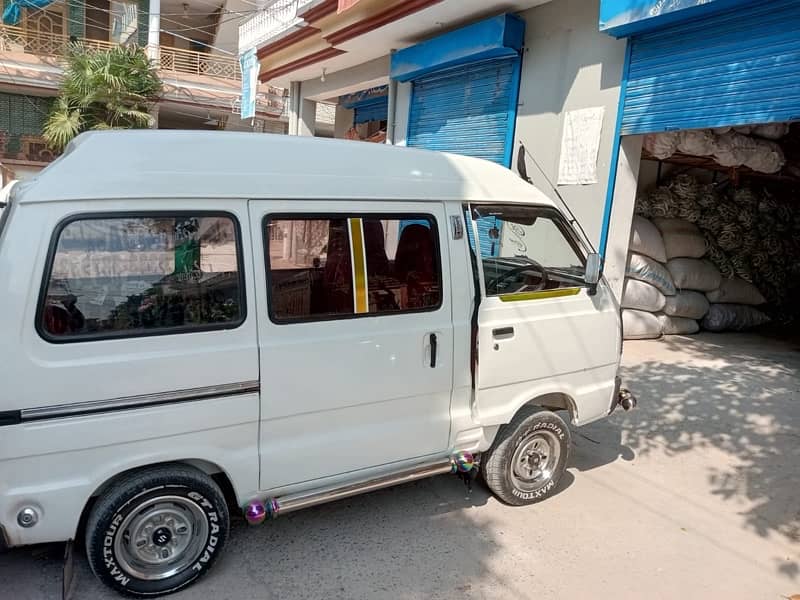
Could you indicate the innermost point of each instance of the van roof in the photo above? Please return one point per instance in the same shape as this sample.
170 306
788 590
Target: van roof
214 164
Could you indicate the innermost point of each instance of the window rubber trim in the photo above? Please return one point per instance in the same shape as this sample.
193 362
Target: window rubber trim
345 216
159 331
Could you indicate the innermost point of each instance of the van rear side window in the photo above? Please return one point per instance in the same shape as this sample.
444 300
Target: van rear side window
351 265
122 276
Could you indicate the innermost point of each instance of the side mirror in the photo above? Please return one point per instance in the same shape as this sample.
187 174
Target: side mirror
594 268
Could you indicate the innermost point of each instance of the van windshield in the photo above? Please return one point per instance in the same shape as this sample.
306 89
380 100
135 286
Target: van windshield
525 248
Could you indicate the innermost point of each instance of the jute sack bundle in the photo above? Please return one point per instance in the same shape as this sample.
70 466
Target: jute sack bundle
640 325
639 295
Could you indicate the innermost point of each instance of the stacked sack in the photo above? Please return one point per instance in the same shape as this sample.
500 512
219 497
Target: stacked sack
666 279
749 237
685 247
732 306
752 147
648 283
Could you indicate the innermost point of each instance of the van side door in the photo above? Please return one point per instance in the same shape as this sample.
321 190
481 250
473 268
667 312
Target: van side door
355 335
540 330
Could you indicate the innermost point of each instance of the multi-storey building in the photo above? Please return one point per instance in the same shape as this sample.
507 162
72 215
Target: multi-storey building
194 44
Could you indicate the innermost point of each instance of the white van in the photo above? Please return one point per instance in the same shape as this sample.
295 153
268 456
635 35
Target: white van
195 320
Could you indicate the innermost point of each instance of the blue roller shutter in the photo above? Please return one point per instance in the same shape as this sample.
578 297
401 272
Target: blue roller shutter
468 110
375 109
732 68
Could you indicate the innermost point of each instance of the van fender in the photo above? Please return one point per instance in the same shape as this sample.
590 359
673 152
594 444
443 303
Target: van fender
586 395
111 473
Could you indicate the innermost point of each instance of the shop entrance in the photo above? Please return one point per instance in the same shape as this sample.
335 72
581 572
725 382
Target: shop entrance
715 241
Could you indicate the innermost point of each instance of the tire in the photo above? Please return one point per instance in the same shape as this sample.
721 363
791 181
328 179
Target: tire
179 518
533 436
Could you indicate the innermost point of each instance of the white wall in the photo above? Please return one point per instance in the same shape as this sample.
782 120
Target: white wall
361 77
23 172
402 108
227 37
568 64
343 122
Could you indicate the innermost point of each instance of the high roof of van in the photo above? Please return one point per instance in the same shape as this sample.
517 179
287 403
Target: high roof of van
215 164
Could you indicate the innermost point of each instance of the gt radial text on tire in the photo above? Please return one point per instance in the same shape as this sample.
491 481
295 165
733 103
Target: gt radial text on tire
156 530
528 457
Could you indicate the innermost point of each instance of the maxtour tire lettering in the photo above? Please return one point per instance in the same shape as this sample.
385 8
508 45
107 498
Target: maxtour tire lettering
528 457
161 508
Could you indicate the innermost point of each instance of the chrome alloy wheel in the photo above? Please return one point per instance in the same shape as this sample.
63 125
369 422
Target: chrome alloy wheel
161 537
535 460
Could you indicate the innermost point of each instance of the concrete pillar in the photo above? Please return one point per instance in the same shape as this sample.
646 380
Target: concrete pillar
154 110
154 30
308 117
402 108
391 111
294 107
344 121
622 206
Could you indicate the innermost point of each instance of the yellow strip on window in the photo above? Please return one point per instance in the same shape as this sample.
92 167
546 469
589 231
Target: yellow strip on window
559 293
358 259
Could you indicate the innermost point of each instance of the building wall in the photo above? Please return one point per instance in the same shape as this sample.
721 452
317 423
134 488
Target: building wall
402 109
360 77
20 116
568 64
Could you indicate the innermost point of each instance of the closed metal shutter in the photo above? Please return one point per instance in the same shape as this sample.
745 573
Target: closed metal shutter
733 68
467 110
376 109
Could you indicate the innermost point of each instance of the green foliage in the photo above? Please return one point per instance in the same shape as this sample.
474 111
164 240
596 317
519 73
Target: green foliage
102 89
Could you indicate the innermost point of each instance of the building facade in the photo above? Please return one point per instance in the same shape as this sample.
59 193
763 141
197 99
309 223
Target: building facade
475 77
193 43
578 84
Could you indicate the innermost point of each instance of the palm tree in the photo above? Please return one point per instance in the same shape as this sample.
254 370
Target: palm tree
102 89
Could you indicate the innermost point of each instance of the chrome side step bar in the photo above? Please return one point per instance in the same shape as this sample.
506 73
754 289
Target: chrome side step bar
272 507
295 502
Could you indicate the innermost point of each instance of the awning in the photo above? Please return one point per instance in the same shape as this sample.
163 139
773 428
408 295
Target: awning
492 38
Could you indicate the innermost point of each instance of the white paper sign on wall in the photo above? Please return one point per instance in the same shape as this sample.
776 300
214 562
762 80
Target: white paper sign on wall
580 143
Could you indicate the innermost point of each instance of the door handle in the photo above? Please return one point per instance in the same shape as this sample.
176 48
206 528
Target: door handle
503 333
434 344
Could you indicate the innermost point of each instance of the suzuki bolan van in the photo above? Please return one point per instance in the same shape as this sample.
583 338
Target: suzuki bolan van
195 323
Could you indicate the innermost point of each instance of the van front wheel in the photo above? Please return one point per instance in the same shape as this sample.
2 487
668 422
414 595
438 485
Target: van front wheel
528 457
157 530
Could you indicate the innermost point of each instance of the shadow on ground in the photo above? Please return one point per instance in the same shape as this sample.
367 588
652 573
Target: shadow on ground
428 539
735 394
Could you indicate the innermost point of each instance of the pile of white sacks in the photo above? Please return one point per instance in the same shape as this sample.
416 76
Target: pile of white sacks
751 146
671 290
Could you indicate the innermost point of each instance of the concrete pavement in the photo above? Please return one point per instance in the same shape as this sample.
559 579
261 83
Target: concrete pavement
695 495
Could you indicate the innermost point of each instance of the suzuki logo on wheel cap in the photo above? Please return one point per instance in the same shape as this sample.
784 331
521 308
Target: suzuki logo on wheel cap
162 536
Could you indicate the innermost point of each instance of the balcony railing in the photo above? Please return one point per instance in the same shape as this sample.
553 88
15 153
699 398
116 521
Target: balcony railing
17 39
277 17
199 63
171 60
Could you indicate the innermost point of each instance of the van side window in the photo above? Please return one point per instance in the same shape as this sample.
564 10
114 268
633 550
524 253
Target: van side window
309 268
351 265
526 249
139 275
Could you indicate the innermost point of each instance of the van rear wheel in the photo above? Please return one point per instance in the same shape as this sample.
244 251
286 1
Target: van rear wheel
157 530
528 457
